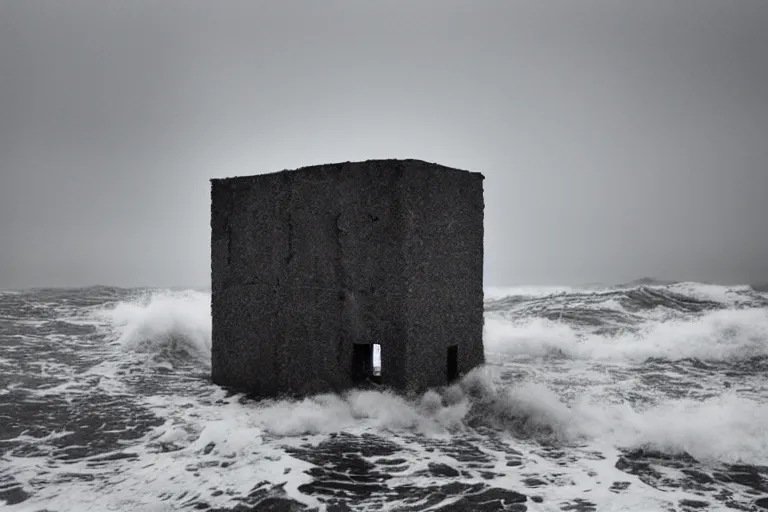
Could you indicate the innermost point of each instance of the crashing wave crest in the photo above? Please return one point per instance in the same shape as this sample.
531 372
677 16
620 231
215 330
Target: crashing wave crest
170 326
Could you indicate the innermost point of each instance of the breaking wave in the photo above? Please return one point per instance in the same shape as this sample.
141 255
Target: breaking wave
169 326
724 335
649 396
725 428
719 324
676 321
728 324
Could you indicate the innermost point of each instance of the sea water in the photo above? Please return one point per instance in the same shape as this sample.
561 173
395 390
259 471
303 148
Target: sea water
640 397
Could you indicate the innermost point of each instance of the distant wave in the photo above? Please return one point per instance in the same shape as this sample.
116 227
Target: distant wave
623 306
723 335
646 281
668 321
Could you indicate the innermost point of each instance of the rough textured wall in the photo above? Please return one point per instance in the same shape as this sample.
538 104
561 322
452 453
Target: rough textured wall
443 251
306 263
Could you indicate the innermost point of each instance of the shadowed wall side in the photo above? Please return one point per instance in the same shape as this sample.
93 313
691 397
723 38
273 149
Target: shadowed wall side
443 211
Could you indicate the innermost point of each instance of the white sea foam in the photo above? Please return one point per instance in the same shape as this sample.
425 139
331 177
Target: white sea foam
160 322
206 435
382 411
178 324
547 384
725 427
173 325
251 438
722 335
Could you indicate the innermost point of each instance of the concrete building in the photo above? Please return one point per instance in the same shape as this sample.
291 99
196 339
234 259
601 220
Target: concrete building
314 267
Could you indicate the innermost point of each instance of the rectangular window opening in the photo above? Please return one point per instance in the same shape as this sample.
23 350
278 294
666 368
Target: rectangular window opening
452 366
366 363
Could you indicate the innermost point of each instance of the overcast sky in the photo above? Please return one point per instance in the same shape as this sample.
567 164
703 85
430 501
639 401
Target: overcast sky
619 139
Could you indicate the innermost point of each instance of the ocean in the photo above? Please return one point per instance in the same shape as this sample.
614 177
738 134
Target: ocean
640 397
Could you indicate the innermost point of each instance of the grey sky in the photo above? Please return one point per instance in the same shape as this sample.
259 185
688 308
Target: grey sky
618 138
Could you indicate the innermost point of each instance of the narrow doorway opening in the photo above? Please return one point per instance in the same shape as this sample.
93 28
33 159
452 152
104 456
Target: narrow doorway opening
366 363
452 366
377 361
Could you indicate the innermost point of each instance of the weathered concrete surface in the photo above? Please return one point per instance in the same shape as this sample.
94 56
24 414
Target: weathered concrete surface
307 263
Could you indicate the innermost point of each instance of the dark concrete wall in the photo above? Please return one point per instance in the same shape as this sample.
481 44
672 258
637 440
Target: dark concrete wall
443 253
305 263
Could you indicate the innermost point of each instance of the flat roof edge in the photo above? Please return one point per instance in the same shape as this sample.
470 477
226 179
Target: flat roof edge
337 164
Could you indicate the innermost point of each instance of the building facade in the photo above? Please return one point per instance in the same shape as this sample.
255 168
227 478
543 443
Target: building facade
313 268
